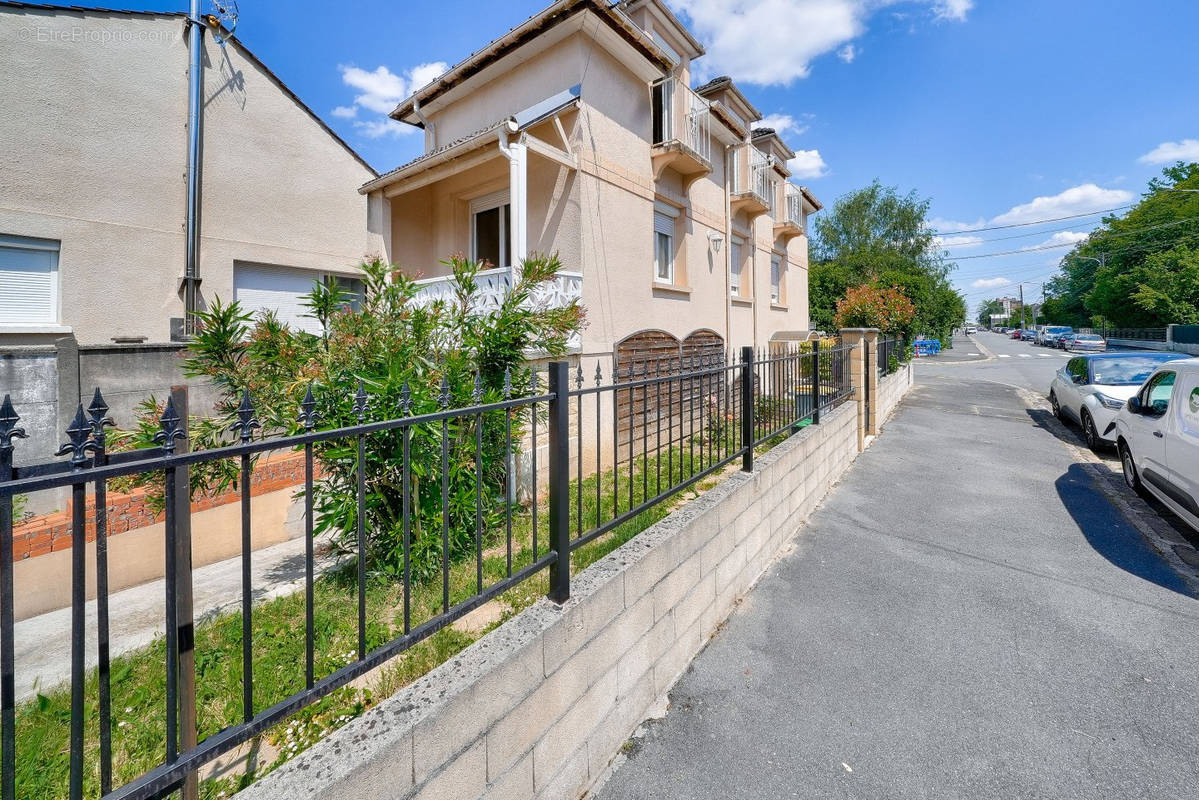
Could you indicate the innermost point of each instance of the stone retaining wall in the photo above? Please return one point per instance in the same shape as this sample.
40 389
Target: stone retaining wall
540 706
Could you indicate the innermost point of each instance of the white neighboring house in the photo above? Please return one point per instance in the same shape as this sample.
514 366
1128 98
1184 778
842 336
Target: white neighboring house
93 195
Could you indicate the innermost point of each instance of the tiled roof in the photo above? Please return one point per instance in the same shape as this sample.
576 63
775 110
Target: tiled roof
458 143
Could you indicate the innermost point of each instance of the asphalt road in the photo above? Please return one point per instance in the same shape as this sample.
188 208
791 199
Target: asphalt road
967 615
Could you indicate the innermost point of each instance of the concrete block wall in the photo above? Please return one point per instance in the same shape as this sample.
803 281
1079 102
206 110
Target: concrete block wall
539 707
891 390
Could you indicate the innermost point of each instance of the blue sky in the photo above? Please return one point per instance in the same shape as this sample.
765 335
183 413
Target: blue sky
1000 111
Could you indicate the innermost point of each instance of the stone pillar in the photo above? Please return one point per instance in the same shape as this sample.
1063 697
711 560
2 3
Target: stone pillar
856 339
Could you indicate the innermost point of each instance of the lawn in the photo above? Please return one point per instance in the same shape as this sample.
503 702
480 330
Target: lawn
138 683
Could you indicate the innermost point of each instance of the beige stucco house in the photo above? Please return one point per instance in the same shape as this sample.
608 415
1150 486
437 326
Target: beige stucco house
578 132
93 157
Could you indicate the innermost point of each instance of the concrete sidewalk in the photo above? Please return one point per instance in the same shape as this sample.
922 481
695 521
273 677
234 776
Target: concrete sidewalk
966 616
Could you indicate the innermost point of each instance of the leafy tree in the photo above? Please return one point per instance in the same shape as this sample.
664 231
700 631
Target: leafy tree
987 309
879 237
1122 272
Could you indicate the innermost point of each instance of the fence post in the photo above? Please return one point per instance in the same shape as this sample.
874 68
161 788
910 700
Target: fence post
816 382
747 409
559 480
185 626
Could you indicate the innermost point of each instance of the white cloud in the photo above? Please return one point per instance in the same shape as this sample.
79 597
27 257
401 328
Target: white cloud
380 91
950 226
989 283
1059 239
782 124
1076 200
1169 152
807 164
847 53
944 242
775 41
955 10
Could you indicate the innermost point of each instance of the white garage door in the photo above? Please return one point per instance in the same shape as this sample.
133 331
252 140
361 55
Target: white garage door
260 287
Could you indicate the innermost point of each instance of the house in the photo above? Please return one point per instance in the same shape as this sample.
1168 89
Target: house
578 132
94 153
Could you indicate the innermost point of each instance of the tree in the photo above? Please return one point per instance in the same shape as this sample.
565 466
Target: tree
1133 270
878 237
988 308
409 358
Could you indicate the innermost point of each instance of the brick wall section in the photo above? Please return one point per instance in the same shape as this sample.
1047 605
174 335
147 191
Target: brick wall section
50 532
540 706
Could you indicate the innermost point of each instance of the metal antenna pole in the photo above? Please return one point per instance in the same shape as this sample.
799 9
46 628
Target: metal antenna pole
195 124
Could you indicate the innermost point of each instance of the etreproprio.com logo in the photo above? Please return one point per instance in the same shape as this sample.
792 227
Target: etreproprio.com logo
80 34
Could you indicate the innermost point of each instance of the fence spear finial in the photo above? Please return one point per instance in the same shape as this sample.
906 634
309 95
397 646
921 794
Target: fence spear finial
8 424
361 400
308 413
246 421
79 432
171 431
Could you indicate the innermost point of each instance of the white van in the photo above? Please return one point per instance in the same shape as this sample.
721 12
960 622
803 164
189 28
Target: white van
1157 434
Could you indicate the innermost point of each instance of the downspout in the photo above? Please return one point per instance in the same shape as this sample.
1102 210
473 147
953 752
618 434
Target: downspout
728 247
517 155
431 137
195 123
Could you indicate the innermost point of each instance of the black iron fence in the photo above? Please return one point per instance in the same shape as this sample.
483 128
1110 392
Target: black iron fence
612 450
1138 334
890 353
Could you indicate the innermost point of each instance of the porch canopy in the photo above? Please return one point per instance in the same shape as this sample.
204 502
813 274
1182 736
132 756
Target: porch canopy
498 220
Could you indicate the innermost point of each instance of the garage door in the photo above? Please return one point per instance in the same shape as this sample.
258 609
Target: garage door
260 287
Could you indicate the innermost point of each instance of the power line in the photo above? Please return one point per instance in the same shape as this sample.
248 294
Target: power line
1034 222
1073 244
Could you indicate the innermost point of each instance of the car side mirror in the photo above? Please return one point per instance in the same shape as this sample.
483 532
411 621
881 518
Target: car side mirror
1134 405
1079 379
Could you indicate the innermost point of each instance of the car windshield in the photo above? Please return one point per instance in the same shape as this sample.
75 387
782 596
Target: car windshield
1130 371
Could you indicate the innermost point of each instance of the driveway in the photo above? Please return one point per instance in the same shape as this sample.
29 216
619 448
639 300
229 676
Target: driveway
966 616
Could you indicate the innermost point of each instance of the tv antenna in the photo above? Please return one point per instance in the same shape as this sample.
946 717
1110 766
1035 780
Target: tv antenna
223 20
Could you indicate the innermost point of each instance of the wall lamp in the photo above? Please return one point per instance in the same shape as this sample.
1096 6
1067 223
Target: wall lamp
715 239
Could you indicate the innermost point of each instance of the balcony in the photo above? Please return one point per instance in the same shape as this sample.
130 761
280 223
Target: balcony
681 130
754 184
791 223
494 285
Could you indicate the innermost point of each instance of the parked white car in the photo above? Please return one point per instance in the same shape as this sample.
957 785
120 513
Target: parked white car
1157 433
1091 390
1085 342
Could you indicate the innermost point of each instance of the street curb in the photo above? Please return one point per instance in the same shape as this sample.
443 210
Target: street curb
988 357
1155 530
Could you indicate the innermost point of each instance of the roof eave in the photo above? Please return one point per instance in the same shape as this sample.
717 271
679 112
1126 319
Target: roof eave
518 37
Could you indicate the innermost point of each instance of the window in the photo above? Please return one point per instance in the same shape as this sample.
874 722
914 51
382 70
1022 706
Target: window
776 278
28 280
663 247
735 262
1077 370
282 290
489 230
1157 394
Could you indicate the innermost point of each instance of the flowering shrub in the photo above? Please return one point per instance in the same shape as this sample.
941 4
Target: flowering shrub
866 306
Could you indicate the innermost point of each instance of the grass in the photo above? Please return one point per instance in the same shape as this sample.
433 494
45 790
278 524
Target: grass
138 682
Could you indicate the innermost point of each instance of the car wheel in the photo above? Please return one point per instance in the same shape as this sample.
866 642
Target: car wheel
1057 409
1089 433
1131 479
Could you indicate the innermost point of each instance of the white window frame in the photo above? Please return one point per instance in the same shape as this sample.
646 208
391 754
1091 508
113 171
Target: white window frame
54 247
776 278
666 219
736 265
486 203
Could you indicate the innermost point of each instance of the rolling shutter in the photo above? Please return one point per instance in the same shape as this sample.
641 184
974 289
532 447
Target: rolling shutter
259 287
28 280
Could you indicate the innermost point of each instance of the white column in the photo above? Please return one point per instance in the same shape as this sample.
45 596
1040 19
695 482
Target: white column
518 177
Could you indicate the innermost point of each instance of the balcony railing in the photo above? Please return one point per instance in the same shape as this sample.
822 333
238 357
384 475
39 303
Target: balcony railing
494 284
753 177
794 208
681 116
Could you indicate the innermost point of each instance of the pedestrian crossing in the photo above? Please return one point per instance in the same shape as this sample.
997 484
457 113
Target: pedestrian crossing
1032 355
